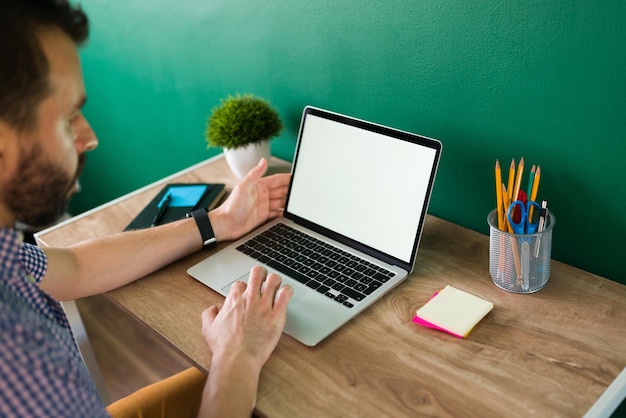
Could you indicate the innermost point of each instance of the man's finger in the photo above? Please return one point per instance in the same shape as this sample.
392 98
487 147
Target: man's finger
209 314
271 285
256 279
237 287
277 182
283 296
257 172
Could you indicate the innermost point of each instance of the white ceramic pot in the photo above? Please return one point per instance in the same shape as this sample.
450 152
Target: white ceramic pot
241 160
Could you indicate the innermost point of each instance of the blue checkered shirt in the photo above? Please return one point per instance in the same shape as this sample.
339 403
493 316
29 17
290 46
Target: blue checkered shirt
41 371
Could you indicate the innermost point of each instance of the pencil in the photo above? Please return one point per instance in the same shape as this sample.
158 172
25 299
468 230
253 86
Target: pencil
506 202
511 179
499 196
533 192
518 182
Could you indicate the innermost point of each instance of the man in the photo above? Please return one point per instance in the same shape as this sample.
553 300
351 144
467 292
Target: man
43 140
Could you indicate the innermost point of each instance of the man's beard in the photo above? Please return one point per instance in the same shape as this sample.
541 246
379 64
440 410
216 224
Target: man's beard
39 194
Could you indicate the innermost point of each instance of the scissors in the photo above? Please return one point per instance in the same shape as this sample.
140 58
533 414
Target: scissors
524 226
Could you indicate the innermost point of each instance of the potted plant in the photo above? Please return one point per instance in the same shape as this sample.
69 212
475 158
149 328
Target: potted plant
243 126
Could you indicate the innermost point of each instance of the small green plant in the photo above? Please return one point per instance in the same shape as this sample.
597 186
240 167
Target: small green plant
240 120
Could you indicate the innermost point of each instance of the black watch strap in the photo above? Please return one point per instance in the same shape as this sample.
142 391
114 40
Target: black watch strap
204 226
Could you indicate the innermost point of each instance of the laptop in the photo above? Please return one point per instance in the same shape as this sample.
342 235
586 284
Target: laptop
352 224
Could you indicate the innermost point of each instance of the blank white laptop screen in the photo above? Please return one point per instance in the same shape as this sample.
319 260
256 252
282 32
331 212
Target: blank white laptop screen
382 182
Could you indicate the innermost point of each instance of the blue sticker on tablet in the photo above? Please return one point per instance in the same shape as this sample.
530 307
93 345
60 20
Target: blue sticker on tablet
184 195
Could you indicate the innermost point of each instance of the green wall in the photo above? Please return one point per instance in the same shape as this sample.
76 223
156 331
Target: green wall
542 79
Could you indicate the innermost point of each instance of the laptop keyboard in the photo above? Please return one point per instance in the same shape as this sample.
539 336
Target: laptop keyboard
335 273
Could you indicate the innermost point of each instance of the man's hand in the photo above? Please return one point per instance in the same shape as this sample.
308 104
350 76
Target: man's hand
252 319
241 336
254 201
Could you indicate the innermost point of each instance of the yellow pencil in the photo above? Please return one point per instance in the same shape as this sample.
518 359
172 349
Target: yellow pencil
499 196
507 203
514 248
511 179
518 182
533 194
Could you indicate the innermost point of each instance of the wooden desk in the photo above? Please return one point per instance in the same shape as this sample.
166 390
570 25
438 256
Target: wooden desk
547 354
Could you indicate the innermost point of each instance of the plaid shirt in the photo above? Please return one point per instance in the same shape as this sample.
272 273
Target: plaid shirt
41 371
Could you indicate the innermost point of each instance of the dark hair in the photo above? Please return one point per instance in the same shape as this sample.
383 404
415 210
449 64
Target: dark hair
24 68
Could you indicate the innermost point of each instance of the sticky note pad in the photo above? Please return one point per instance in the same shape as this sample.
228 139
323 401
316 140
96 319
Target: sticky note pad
454 311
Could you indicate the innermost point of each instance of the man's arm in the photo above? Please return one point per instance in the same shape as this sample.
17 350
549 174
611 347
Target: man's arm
100 265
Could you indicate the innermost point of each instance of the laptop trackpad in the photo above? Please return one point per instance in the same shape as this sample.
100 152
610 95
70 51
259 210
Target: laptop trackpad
298 291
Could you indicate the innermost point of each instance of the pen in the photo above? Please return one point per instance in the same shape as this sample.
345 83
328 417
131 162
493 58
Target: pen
543 218
164 205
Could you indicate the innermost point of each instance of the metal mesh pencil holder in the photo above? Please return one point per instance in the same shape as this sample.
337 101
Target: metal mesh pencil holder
520 263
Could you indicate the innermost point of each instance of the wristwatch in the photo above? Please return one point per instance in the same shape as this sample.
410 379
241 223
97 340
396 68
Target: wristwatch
204 226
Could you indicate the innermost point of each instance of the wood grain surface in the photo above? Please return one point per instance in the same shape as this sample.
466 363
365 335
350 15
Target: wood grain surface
551 353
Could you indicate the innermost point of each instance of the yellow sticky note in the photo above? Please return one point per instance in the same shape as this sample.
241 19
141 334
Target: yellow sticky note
454 311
